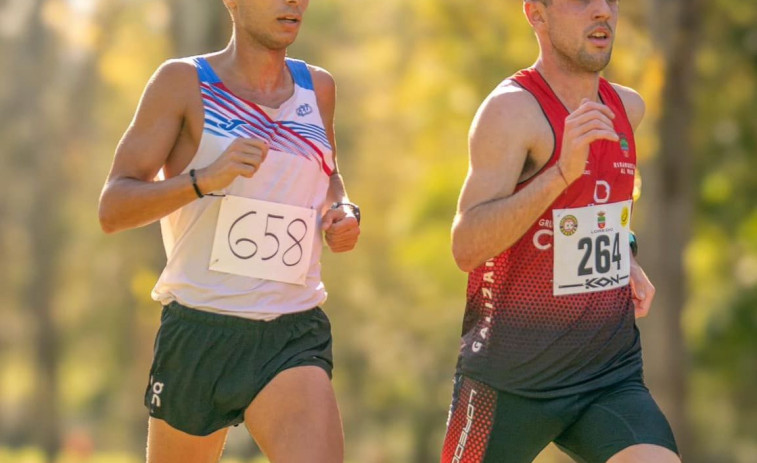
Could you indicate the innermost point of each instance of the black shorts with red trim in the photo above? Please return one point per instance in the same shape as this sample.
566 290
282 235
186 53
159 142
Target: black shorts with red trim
488 426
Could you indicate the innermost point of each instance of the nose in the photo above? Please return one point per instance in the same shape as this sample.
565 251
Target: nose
603 10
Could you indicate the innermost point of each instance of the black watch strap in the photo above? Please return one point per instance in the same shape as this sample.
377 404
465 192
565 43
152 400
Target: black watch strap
354 207
634 243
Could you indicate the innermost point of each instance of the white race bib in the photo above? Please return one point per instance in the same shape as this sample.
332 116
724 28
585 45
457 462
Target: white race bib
261 239
592 251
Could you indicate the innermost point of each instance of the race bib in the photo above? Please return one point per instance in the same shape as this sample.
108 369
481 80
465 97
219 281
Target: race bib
592 251
261 239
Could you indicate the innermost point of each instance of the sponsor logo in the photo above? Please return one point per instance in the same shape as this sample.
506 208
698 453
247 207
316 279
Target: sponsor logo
601 220
600 282
231 124
568 225
601 192
487 294
470 411
157 389
304 110
625 214
543 239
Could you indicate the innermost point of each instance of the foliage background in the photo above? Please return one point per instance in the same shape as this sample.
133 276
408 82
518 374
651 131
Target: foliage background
77 322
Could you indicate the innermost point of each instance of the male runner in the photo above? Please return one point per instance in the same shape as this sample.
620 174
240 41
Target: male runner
550 351
234 152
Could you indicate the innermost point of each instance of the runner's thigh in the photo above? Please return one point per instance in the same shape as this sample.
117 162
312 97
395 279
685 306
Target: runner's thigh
625 416
166 444
295 418
488 426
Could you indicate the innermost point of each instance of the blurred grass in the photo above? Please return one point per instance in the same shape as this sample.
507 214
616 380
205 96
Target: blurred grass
32 455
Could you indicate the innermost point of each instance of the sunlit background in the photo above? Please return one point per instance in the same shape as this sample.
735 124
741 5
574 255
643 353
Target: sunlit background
76 321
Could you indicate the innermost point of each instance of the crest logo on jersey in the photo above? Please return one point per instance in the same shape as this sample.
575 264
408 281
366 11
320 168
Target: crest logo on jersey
304 110
601 220
230 124
568 225
624 147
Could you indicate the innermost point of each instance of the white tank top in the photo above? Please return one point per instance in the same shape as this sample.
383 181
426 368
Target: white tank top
295 172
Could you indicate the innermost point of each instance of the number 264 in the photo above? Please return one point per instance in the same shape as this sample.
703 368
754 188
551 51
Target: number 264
604 256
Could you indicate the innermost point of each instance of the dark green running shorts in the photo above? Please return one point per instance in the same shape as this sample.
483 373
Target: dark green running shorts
207 368
490 426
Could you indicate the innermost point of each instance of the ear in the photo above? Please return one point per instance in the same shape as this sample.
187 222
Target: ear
534 12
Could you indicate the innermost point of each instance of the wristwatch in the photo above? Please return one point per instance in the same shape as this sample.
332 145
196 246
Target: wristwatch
633 243
354 207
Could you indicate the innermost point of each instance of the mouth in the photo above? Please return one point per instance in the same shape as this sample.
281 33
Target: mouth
292 19
600 36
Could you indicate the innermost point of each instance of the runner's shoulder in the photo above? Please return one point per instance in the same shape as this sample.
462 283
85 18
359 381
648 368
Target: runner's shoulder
511 109
632 102
321 75
173 84
178 71
323 81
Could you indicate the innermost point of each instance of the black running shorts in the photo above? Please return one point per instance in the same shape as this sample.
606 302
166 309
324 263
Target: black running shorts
489 426
208 368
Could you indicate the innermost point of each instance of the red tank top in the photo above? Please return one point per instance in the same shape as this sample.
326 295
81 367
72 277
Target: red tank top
520 337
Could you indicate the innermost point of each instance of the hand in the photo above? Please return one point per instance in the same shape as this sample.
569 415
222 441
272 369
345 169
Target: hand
590 122
341 229
242 158
642 290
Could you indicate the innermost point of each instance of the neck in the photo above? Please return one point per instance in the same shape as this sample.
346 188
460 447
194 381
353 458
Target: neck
570 85
258 68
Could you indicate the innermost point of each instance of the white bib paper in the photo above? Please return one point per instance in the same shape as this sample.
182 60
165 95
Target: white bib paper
262 239
592 251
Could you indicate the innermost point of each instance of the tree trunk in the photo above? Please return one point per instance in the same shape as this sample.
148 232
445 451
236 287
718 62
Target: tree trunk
45 90
199 26
671 205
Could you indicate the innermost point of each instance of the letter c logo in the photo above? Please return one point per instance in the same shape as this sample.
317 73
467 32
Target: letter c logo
543 244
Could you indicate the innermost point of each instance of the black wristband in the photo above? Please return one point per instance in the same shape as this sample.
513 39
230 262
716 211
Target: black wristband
194 183
355 209
633 243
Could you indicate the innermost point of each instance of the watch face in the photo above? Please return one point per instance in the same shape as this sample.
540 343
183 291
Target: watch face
353 207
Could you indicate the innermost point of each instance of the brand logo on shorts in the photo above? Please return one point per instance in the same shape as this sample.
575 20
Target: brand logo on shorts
156 388
470 411
568 225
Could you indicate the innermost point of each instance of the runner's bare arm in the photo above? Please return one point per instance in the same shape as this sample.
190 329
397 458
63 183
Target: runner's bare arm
633 103
340 225
642 289
325 93
490 217
131 197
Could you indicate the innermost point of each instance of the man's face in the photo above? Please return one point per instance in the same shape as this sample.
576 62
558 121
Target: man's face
273 24
582 32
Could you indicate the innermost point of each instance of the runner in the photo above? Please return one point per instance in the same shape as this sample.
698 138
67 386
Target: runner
233 152
550 350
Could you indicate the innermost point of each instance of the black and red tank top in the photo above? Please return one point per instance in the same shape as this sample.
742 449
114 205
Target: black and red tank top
538 330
